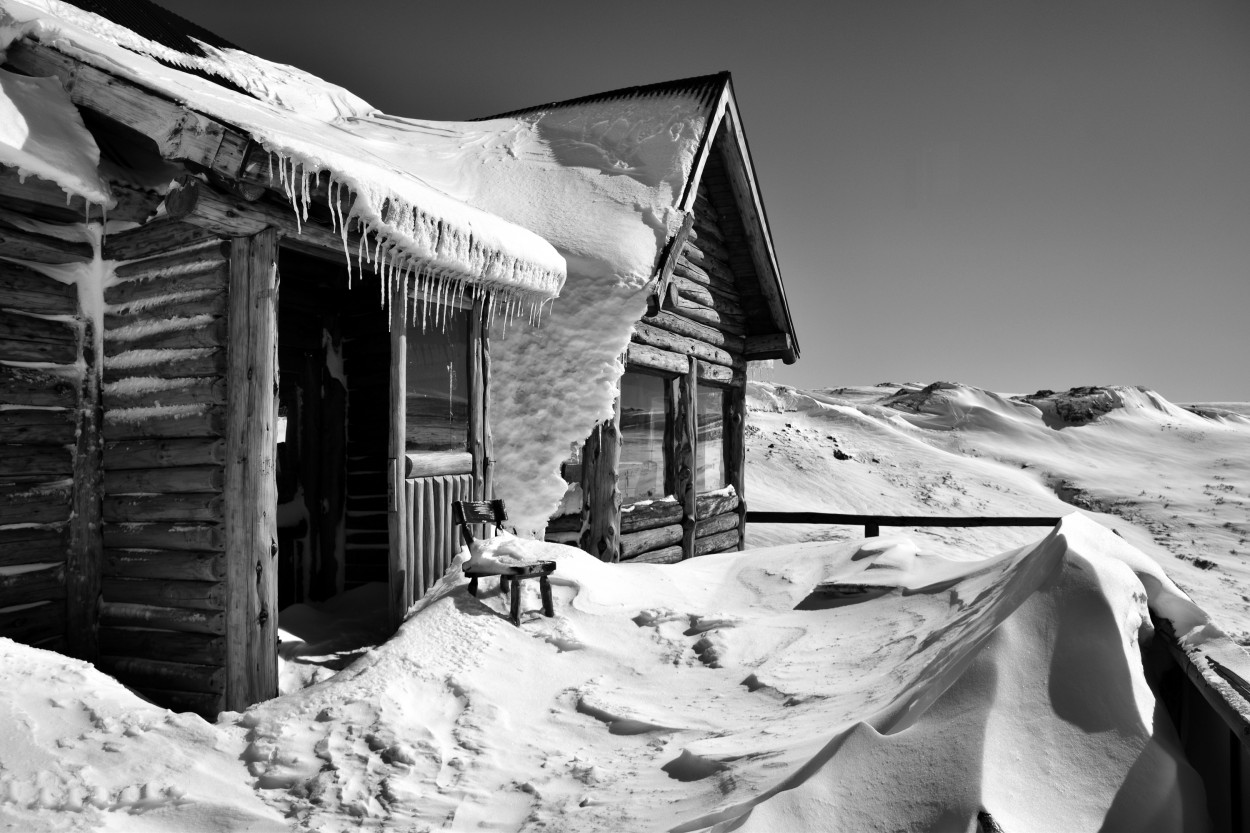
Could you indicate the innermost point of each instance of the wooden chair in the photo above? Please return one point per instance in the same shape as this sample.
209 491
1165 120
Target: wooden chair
468 512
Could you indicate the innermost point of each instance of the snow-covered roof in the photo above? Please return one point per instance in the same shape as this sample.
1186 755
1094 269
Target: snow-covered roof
311 127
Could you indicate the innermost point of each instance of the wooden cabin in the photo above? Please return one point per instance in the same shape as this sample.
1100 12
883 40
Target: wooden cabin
213 405
247 418
664 480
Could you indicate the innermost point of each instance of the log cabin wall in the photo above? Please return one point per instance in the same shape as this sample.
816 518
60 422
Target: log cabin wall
40 408
697 338
164 609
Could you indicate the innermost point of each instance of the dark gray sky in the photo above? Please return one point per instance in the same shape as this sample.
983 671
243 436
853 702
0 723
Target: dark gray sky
1016 195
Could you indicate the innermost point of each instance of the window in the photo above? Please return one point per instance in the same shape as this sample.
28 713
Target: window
644 417
710 442
438 384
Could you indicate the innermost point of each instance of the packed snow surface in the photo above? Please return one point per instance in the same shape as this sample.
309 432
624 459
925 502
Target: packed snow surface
1174 481
822 686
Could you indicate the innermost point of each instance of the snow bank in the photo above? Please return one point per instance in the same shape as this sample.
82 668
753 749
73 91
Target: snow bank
80 752
761 690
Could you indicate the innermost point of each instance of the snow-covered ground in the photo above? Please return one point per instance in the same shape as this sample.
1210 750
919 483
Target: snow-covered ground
908 682
1172 482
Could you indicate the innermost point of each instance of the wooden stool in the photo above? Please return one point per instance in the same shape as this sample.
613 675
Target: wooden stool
466 512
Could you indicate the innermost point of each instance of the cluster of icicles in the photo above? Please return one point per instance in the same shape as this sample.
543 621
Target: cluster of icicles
388 232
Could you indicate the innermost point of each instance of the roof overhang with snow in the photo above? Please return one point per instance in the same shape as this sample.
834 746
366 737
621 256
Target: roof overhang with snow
275 129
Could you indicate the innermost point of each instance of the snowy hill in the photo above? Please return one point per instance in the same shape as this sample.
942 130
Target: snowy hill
1173 481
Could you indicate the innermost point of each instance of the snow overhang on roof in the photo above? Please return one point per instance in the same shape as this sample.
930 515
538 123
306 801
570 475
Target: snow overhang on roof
311 129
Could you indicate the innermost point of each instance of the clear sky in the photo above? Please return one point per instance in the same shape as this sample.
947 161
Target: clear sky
1016 195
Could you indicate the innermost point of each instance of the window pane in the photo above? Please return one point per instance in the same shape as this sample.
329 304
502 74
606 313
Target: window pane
643 417
438 385
710 465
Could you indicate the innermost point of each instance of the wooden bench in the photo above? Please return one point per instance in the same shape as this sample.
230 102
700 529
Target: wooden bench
469 512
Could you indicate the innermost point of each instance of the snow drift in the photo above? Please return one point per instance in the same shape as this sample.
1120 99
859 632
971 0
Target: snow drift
872 686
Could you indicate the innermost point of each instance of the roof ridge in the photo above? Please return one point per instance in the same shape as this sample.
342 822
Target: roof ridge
708 83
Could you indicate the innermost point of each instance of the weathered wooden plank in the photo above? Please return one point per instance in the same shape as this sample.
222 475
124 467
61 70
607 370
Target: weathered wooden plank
44 503
736 452
197 269
164 364
136 671
35 623
52 462
636 543
674 323
433 463
151 423
203 703
173 479
21 426
668 259
161 564
396 446
153 238
36 585
18 327
158 453
251 487
665 340
37 351
191 620
149 508
650 515
769 346
710 276
31 545
144 643
193 595
26 289
728 322
668 555
716 504
167 333
684 452
716 524
601 496
186 305
151 391
719 542
41 248
163 536
40 388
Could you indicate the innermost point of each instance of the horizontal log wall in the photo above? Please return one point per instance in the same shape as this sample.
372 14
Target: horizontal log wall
39 412
164 397
432 539
709 305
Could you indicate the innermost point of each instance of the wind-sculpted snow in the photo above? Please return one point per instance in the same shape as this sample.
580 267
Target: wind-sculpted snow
866 686
1174 481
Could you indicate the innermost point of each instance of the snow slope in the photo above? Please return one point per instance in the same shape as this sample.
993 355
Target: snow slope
1174 483
832 686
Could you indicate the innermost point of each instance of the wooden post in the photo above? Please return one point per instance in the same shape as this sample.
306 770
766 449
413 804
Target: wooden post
488 439
736 453
477 396
601 495
85 555
397 439
251 532
872 531
684 451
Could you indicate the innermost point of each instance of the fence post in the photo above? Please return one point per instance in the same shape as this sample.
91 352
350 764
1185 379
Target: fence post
872 530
